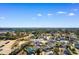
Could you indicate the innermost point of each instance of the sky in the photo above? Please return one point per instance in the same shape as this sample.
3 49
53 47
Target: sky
39 15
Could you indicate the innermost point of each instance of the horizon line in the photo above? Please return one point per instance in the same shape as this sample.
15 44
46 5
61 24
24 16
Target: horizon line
39 27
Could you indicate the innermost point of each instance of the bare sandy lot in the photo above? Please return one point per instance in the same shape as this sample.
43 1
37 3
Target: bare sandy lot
6 49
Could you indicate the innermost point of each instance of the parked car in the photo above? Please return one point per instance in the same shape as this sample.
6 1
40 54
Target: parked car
77 46
7 42
1 46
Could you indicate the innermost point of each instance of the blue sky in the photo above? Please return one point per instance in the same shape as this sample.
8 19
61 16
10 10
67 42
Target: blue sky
39 15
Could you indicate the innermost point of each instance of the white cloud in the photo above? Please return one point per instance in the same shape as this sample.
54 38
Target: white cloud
61 12
75 9
2 17
39 14
50 14
71 14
